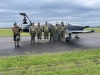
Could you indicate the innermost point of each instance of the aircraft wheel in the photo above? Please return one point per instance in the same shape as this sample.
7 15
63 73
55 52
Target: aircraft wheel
77 37
67 39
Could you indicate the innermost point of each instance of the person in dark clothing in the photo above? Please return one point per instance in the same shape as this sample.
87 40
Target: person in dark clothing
52 33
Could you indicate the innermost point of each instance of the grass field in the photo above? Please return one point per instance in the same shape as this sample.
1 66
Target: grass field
70 63
85 62
8 32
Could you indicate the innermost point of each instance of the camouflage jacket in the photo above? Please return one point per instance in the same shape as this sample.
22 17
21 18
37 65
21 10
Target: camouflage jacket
32 29
39 29
46 28
16 30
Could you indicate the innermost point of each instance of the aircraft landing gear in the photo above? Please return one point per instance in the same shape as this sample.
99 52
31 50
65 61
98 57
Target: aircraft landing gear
77 36
67 39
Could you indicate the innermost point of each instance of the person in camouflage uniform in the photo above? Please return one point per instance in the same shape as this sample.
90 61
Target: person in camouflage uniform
39 33
52 33
62 32
32 31
56 32
46 32
16 35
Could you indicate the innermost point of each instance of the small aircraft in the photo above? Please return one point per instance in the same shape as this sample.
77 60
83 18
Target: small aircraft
71 29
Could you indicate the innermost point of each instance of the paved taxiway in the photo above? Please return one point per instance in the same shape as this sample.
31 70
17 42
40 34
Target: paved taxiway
86 41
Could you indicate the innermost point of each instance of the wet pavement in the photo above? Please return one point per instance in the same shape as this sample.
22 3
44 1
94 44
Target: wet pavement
86 41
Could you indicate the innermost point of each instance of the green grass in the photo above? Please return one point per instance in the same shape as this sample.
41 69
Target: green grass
69 63
8 32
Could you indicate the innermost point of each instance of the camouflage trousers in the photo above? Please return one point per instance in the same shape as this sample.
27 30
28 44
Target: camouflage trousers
39 35
56 35
52 36
33 37
62 36
46 34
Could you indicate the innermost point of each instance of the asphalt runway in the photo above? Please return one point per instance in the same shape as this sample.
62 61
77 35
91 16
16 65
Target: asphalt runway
86 41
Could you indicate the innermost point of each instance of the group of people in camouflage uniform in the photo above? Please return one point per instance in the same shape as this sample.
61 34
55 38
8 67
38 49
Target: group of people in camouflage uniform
56 32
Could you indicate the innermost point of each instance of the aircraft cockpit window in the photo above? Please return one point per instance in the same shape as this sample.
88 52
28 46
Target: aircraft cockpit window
24 20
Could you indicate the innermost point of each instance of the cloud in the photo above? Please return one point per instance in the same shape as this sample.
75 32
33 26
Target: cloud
79 11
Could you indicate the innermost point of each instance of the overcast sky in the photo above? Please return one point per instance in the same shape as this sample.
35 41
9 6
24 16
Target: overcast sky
81 12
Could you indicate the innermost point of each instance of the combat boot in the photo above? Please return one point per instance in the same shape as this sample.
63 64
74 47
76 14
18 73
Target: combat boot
40 41
44 41
63 40
18 46
15 46
47 41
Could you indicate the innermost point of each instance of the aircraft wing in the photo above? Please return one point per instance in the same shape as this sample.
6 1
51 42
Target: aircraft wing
80 31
